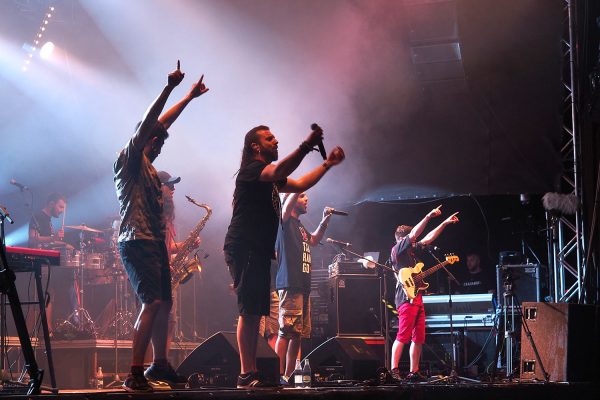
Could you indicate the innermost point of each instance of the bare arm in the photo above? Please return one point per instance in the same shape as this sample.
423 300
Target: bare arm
317 235
173 113
418 229
144 132
288 206
283 169
431 236
311 178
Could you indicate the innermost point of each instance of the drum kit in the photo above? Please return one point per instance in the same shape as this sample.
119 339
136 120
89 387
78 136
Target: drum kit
96 261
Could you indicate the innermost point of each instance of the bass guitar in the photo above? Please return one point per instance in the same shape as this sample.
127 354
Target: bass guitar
412 279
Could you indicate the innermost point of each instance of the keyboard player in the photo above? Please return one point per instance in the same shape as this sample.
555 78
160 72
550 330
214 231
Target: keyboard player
43 235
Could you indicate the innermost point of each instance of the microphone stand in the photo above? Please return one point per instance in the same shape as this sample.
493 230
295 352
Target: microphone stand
453 377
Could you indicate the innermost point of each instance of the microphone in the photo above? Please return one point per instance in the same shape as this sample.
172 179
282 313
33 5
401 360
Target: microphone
345 244
337 212
316 127
430 247
19 185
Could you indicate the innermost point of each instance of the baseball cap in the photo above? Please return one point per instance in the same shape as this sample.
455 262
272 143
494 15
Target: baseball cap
166 179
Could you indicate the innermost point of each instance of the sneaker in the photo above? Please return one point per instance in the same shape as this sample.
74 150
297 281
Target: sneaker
136 383
396 376
253 380
164 374
416 376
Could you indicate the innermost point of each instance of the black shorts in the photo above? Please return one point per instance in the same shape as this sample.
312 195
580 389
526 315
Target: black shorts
251 274
147 266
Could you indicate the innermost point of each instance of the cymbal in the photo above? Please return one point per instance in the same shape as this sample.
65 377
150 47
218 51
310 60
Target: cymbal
83 228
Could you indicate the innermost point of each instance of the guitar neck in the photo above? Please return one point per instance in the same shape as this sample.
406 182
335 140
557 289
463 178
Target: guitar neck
433 269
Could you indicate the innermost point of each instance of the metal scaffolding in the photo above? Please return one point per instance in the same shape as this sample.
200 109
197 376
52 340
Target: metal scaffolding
566 252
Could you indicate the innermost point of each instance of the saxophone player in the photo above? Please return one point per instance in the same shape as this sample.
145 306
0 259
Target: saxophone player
168 190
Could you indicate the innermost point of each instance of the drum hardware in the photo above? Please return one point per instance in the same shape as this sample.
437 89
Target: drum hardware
79 323
121 324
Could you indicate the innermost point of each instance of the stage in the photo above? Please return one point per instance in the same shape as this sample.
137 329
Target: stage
350 390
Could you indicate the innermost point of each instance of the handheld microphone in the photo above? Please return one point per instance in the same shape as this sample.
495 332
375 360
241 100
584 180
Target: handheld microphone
316 127
19 185
345 244
337 212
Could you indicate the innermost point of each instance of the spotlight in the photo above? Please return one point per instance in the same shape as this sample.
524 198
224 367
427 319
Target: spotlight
46 50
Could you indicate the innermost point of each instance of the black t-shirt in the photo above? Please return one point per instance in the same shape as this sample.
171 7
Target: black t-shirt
403 256
293 256
476 283
42 224
256 210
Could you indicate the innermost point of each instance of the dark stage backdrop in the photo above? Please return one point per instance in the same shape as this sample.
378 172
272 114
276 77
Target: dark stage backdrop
494 129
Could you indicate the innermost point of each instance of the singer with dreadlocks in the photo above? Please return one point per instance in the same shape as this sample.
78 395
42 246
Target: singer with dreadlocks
250 240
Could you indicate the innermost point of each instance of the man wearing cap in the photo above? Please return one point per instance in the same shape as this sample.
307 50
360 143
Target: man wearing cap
168 189
142 235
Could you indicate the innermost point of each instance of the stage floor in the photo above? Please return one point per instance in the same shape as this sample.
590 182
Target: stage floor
349 390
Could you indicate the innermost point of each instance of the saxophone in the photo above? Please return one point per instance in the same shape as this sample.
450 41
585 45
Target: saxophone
182 267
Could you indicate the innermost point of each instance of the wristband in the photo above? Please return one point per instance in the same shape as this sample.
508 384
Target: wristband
326 165
305 147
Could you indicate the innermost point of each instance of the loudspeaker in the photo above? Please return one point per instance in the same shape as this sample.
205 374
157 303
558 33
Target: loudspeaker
345 358
567 339
217 361
523 280
355 305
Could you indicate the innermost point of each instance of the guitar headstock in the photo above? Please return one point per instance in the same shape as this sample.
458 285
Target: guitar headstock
452 258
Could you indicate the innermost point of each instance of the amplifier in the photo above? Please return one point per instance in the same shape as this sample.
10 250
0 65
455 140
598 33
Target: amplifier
522 279
355 308
350 268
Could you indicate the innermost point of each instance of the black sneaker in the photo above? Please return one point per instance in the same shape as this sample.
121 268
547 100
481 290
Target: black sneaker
396 376
253 380
136 383
164 374
415 377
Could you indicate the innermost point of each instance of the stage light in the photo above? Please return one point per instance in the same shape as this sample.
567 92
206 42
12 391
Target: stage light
46 50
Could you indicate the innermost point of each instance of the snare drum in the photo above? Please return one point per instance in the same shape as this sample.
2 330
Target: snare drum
93 261
69 258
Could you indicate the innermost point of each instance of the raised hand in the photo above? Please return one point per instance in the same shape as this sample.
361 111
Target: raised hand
435 212
336 156
176 76
327 211
198 88
452 219
315 137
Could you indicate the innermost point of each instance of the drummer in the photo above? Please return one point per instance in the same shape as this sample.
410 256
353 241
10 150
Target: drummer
41 231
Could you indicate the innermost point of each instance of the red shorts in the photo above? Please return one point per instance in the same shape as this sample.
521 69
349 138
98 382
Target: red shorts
411 323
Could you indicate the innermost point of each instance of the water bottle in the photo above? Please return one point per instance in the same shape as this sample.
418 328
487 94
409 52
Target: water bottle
306 374
298 381
99 379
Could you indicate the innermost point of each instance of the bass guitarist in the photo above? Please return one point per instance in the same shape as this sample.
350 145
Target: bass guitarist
411 313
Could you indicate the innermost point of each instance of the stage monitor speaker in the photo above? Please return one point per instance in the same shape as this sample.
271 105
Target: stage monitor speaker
567 339
217 361
355 306
346 358
524 280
